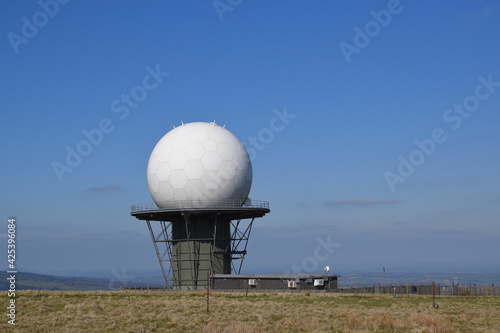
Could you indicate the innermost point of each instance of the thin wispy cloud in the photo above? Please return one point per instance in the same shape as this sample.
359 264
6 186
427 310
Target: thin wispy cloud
104 188
298 232
359 202
484 12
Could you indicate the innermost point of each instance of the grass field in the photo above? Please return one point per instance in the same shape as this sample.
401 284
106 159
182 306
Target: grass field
154 311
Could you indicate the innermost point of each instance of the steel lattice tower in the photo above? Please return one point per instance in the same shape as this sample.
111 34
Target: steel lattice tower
200 242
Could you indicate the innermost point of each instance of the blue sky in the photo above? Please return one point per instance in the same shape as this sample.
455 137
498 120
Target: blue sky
353 116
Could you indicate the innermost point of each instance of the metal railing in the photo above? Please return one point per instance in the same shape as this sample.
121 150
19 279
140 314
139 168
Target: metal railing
200 204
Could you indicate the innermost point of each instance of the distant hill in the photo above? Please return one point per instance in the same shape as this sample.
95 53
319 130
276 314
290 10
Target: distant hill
464 279
51 282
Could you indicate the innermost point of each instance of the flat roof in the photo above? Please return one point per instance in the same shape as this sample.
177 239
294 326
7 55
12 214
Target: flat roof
287 276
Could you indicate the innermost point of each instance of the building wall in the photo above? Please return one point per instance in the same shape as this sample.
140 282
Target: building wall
271 284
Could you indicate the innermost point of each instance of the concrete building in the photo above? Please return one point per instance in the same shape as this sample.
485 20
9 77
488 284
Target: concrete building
275 282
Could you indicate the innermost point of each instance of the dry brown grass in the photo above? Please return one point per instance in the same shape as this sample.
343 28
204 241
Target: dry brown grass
134 311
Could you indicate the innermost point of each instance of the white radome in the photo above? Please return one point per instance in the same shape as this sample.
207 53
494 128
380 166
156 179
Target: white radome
199 165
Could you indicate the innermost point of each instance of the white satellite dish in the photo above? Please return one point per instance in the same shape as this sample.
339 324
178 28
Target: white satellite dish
326 269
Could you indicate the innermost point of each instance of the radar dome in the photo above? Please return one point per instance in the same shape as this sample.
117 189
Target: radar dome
199 165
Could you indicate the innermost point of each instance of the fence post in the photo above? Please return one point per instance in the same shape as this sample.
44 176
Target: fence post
208 292
434 295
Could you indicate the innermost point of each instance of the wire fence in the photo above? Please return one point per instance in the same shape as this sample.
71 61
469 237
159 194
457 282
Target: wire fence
408 289
421 289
